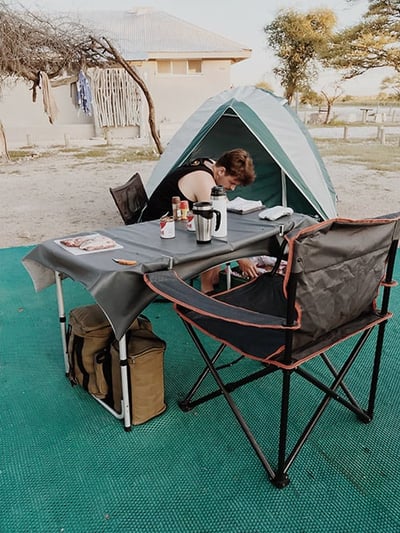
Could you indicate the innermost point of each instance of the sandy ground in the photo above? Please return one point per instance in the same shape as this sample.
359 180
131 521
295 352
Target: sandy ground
48 197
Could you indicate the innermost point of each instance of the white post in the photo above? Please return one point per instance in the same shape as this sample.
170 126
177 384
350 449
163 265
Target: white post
381 135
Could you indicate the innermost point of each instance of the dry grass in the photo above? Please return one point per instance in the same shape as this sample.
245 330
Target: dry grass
108 154
368 153
111 154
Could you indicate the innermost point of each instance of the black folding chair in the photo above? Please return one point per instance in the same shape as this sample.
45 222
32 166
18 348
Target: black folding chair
130 199
327 295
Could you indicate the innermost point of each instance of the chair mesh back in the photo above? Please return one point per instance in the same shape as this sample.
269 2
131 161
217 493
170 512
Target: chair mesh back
130 199
339 268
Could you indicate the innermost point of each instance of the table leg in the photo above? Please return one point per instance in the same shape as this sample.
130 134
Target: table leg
62 319
123 357
125 402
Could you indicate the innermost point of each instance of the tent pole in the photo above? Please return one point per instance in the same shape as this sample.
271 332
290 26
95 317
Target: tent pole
284 191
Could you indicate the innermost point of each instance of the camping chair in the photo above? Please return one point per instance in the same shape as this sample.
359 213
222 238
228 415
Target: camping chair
130 199
327 295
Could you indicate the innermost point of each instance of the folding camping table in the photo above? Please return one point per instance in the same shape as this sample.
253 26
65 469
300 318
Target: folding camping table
120 290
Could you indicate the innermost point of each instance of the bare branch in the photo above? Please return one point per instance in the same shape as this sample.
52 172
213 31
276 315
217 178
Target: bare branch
32 43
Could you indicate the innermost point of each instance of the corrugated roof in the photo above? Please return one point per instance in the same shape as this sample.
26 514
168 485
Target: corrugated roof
146 33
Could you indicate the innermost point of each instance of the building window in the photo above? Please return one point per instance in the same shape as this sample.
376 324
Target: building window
164 67
194 66
179 67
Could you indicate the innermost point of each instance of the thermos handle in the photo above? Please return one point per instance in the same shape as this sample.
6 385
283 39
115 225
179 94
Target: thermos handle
218 221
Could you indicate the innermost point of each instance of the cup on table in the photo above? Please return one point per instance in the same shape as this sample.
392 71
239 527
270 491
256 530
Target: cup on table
204 214
167 227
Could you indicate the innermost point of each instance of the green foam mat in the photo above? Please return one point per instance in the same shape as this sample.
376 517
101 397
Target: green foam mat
67 465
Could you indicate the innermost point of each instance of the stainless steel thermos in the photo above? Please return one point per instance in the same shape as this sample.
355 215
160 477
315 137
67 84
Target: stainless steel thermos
204 214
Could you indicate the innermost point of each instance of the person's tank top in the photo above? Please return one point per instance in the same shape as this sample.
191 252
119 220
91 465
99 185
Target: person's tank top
160 201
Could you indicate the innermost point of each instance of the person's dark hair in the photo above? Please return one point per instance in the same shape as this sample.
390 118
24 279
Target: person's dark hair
238 163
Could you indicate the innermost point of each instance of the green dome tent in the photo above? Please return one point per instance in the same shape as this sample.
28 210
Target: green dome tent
289 169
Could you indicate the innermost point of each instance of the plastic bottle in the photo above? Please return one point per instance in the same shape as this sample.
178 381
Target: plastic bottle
184 208
175 201
219 200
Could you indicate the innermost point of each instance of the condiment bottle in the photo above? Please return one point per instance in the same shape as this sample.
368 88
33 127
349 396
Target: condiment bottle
175 200
184 208
219 201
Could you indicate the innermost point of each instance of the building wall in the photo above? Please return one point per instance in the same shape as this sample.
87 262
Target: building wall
178 96
175 98
25 121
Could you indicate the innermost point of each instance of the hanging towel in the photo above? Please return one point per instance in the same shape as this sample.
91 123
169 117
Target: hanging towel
84 94
49 103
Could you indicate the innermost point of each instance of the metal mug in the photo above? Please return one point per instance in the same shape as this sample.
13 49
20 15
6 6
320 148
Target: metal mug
203 214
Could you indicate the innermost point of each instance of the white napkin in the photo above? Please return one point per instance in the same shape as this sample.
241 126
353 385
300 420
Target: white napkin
273 213
243 205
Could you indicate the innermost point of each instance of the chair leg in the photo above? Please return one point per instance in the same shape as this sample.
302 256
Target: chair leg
330 392
342 385
375 372
281 478
238 415
186 404
382 326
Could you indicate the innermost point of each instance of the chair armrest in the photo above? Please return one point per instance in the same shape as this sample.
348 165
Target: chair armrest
169 285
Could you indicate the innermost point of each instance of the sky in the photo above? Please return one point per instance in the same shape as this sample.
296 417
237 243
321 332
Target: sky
242 21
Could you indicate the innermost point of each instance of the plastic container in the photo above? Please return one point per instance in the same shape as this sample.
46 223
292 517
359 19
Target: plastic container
184 208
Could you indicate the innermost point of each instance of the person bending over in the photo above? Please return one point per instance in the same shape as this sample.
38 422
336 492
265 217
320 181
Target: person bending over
193 182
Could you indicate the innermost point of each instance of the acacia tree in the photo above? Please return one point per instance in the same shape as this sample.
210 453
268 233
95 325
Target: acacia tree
372 43
331 94
299 40
391 86
60 47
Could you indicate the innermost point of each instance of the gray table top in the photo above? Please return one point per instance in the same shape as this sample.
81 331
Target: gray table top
120 290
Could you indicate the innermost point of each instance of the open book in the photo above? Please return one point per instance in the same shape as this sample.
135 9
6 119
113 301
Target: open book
243 206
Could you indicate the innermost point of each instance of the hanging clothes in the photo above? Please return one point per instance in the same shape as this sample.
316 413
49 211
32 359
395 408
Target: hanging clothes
49 103
84 93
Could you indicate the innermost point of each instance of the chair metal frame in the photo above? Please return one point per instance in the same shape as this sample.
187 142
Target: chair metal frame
200 312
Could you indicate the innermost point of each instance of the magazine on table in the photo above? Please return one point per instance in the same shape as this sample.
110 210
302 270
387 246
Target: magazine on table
84 244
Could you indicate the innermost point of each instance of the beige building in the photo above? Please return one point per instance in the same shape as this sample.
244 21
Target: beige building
181 64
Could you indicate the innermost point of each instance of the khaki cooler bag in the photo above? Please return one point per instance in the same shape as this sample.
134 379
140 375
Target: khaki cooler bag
94 363
89 339
145 372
